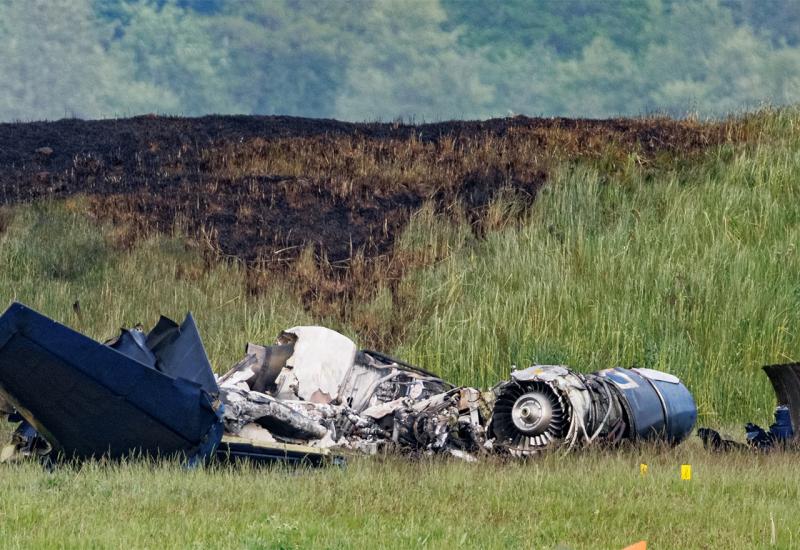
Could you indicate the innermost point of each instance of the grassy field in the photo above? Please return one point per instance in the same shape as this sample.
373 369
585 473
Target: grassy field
592 500
686 266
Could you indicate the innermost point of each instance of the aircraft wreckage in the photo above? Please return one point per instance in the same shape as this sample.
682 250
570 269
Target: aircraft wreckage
782 434
312 396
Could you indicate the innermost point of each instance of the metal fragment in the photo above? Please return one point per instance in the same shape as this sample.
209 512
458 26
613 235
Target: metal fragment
312 387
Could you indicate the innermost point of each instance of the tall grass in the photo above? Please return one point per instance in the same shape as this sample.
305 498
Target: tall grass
57 261
692 268
594 500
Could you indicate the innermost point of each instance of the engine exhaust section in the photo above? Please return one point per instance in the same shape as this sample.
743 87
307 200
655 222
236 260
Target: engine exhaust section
548 406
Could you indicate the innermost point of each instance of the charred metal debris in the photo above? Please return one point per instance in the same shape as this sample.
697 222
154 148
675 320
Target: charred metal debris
785 380
310 397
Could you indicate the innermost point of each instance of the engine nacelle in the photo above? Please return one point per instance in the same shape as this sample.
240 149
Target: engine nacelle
548 406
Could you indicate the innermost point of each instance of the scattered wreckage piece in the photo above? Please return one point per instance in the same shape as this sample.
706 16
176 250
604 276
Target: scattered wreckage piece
310 393
315 386
785 380
25 443
242 408
548 406
137 395
88 399
326 367
235 450
368 401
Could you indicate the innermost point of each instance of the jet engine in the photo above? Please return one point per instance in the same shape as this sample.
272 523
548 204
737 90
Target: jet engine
548 406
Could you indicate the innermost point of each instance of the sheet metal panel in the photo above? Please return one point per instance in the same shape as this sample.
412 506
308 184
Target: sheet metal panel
88 399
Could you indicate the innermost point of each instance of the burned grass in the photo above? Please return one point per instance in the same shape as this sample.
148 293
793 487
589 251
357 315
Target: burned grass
5 218
320 202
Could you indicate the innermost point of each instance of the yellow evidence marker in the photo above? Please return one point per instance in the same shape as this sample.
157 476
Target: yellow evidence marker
686 472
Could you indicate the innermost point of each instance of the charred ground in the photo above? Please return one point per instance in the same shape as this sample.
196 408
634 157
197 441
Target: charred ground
269 190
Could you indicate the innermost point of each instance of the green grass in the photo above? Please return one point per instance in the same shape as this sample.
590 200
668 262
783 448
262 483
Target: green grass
594 500
692 268
119 287
696 273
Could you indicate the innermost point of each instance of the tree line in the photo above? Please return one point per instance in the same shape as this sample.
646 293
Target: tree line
417 60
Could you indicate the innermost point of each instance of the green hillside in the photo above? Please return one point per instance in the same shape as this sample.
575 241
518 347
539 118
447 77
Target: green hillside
653 243
684 261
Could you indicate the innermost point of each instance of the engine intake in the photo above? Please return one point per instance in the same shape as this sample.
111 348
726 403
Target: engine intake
549 406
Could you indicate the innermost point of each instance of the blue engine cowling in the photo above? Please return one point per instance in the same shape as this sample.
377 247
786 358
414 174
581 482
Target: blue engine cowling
657 404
